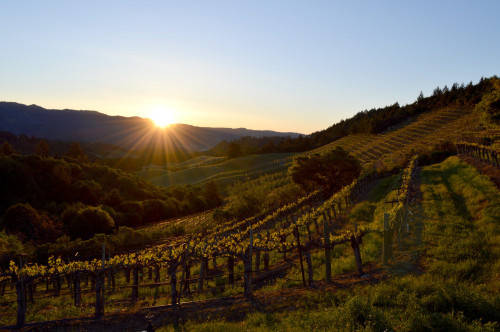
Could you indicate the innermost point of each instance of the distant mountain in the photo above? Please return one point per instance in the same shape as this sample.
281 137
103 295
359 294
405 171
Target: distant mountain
127 132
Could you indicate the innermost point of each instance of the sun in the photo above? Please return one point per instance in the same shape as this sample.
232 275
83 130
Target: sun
162 116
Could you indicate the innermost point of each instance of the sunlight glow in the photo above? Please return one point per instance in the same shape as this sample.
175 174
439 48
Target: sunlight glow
162 116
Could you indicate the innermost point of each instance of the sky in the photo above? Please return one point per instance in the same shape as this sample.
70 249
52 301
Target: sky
282 65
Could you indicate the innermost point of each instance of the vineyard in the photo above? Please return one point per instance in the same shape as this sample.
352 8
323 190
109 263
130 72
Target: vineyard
238 256
302 227
219 170
369 230
427 130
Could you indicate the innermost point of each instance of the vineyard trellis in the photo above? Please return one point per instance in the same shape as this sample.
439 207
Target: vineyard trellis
299 226
396 221
480 152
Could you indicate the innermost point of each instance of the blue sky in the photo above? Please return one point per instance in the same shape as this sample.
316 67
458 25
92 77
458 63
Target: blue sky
282 65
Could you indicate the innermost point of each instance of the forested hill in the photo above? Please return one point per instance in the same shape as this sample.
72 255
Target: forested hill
374 121
42 198
126 132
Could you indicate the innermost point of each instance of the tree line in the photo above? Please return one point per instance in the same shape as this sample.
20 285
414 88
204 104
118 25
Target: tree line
373 121
43 198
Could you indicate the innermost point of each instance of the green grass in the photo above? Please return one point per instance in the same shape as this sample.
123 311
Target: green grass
222 171
456 287
456 290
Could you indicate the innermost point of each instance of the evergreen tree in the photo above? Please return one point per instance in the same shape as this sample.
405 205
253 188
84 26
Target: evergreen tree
420 97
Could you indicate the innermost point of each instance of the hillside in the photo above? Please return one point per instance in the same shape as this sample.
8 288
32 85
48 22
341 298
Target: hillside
222 171
379 120
410 244
44 198
126 132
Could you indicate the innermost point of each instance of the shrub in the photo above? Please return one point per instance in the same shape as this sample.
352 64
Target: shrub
26 222
89 221
20 218
88 191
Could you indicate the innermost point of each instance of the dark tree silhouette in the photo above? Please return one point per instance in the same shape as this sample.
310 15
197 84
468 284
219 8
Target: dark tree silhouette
89 221
76 152
42 148
332 170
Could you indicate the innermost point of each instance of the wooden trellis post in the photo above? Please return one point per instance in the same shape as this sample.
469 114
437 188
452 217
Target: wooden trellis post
113 280
99 294
135 283
310 271
334 211
214 262
57 285
99 287
157 273
328 254
76 287
247 261
299 248
316 227
387 247
172 271
21 297
202 275
187 273
355 241
308 257
206 268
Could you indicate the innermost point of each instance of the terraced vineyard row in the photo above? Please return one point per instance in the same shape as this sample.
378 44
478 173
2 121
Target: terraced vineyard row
427 130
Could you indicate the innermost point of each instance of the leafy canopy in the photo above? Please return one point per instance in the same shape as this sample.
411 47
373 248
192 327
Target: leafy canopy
331 171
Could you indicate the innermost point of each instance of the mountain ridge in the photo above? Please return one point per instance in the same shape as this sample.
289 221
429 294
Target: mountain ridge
128 132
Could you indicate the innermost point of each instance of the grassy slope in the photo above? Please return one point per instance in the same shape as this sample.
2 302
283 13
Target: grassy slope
223 171
456 285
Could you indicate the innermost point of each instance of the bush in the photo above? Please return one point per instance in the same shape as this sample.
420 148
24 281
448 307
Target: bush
88 192
89 221
28 224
